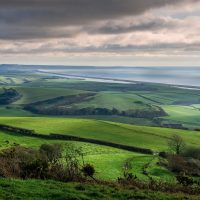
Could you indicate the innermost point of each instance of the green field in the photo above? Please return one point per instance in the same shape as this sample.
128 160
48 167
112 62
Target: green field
39 87
14 111
31 95
187 115
141 136
101 157
104 157
146 132
120 100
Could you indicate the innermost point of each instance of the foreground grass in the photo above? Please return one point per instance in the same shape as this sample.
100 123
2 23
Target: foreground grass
39 190
140 136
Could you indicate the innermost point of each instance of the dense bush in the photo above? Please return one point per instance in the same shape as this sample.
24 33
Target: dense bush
23 163
52 152
180 164
88 170
192 152
184 179
177 163
163 154
45 163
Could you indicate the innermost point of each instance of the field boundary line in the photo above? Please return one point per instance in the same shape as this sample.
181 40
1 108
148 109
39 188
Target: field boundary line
32 133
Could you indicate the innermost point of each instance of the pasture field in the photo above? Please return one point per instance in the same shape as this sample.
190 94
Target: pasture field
180 108
31 95
107 161
119 100
187 115
14 111
141 136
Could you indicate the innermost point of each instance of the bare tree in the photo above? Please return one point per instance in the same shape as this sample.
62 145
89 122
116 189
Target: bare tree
176 144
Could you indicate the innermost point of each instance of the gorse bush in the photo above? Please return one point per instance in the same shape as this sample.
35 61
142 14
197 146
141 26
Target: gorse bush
184 179
21 162
52 152
192 152
45 163
88 170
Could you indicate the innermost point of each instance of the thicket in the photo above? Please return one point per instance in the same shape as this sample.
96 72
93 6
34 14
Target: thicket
8 96
50 161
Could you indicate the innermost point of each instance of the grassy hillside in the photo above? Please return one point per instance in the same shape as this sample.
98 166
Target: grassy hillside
141 136
9 111
101 157
119 100
31 95
39 190
34 87
187 115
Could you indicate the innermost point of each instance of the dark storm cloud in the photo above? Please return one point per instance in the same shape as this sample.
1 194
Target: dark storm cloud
65 12
26 19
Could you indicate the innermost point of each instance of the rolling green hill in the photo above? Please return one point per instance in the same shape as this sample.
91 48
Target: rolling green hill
189 116
31 95
141 136
102 157
108 162
139 96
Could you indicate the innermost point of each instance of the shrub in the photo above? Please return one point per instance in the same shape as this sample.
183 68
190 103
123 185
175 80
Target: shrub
192 152
176 163
163 154
176 144
52 152
73 157
184 179
21 162
88 170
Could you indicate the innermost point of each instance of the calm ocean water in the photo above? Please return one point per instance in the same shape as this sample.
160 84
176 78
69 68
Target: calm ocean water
170 75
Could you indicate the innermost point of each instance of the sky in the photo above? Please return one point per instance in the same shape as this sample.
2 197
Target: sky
100 32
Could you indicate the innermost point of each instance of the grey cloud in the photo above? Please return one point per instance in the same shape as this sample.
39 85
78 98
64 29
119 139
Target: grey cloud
174 48
65 12
43 18
150 48
25 33
145 25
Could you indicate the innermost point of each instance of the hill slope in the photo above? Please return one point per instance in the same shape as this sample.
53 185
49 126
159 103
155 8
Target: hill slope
39 190
140 136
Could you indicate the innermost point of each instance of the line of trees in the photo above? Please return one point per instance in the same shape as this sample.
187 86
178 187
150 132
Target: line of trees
8 96
62 110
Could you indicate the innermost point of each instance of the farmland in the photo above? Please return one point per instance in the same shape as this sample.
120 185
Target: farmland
122 97
150 137
111 112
